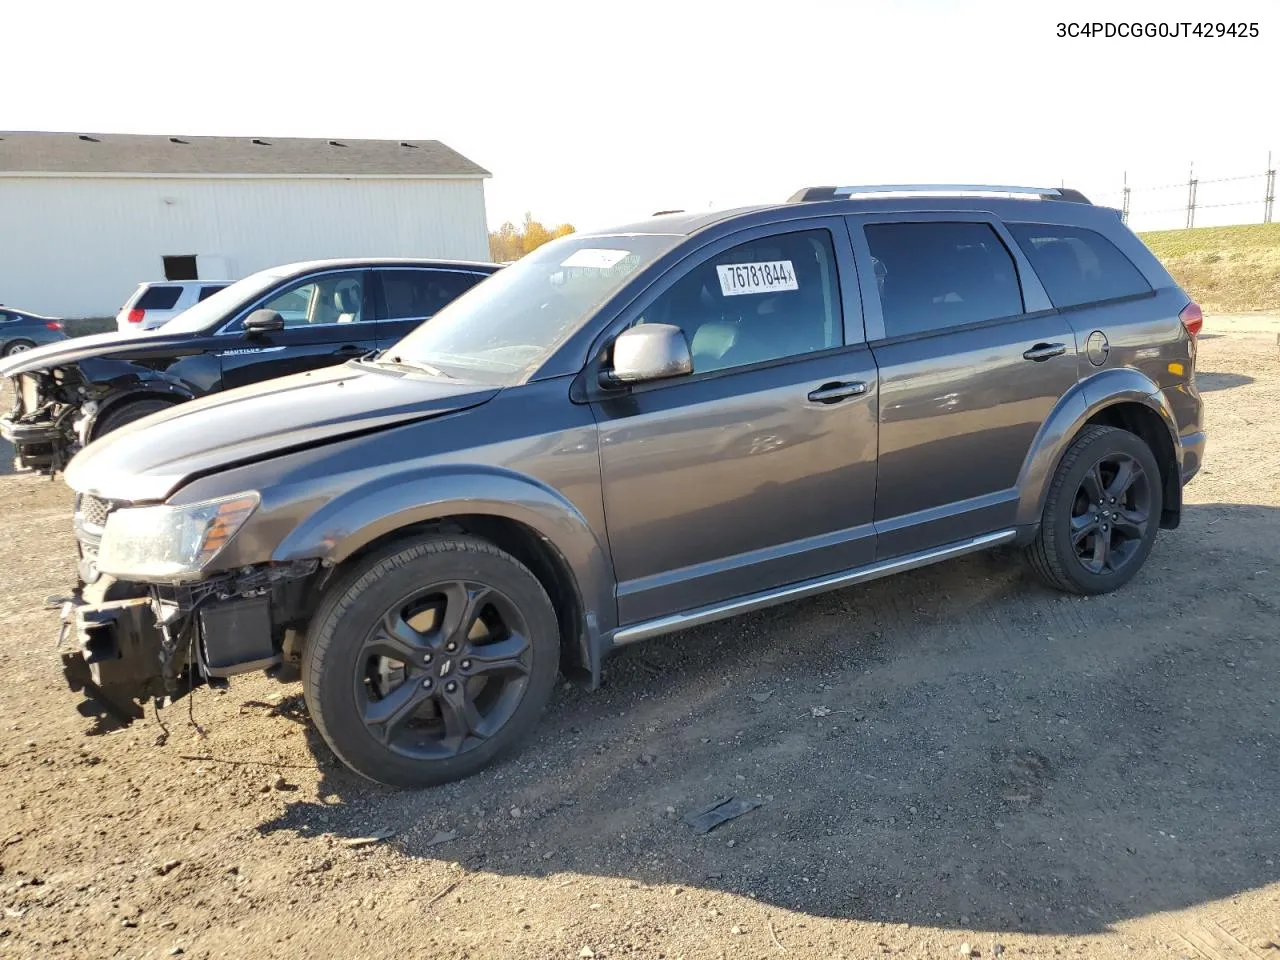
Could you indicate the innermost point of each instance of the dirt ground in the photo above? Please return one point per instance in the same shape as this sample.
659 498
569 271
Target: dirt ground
953 756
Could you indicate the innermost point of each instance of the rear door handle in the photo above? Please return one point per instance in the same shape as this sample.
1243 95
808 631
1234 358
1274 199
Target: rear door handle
837 391
1043 351
353 350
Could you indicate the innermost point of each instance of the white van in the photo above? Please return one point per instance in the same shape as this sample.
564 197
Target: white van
154 304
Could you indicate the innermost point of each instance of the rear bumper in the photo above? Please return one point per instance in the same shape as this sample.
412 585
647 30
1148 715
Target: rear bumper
1192 454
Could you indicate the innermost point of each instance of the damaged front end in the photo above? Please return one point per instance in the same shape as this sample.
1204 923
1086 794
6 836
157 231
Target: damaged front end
48 419
124 643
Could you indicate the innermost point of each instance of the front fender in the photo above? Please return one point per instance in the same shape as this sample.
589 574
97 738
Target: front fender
359 516
1084 400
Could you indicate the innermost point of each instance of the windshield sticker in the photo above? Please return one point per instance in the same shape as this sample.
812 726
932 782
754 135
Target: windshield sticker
768 277
594 257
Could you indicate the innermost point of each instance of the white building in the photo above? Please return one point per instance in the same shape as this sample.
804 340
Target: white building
85 218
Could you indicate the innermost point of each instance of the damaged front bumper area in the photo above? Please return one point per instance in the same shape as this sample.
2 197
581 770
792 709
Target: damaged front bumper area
122 644
41 429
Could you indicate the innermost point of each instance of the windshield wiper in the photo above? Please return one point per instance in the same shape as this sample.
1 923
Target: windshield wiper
427 368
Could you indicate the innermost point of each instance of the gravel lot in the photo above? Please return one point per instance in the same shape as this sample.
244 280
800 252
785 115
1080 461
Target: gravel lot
951 757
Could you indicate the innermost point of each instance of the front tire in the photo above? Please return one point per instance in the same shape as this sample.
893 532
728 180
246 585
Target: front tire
1102 513
128 413
430 660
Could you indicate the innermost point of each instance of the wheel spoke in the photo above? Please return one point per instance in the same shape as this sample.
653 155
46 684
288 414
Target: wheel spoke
384 717
1092 483
397 640
462 604
1132 523
1127 471
1082 526
461 719
503 657
1101 551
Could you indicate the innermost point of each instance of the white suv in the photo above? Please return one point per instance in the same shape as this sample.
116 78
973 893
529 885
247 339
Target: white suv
155 304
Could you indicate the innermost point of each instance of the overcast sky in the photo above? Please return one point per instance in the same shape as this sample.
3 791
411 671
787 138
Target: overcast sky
603 111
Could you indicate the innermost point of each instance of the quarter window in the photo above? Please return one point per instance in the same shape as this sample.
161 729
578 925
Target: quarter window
332 298
1078 266
416 294
764 300
932 276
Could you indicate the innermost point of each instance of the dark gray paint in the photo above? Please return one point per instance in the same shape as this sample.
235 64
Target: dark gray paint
688 499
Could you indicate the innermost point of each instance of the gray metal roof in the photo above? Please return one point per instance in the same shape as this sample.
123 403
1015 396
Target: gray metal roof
125 153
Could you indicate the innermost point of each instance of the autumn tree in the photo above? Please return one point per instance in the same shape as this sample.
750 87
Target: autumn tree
510 242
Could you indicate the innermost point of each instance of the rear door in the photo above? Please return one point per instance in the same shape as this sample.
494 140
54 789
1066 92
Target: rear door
410 295
972 360
328 319
758 470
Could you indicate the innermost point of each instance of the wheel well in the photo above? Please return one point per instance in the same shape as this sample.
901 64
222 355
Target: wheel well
1144 422
526 545
128 399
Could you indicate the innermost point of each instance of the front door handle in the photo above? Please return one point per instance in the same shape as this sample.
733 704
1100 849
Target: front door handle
1043 351
837 391
352 350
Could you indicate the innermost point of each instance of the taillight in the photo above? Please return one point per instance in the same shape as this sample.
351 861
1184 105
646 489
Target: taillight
135 315
54 324
1192 318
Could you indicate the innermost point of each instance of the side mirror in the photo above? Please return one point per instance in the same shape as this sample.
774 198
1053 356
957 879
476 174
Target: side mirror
651 351
263 321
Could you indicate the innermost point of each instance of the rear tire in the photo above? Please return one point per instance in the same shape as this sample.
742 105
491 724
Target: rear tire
17 346
128 413
430 660
1102 513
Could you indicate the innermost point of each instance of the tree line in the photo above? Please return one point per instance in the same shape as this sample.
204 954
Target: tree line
510 242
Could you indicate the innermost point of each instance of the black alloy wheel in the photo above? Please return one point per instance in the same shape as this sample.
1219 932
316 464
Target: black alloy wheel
444 670
1101 514
1110 514
429 659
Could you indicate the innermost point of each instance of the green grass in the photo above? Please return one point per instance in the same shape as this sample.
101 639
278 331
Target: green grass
1224 269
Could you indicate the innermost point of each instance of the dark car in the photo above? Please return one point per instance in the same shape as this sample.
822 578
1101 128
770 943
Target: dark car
636 431
283 320
21 330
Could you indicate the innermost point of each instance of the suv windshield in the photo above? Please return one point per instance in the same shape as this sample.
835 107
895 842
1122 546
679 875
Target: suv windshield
510 324
216 308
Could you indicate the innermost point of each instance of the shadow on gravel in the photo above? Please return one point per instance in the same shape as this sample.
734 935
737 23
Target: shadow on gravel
953 746
1208 381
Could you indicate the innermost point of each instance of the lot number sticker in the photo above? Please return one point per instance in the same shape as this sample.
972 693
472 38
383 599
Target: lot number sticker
740 278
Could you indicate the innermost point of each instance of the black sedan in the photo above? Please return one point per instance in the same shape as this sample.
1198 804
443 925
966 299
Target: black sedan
21 330
283 320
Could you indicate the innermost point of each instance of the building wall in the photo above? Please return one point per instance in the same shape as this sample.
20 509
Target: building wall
77 246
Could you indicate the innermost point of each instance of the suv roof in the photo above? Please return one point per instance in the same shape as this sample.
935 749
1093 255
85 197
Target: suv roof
1009 202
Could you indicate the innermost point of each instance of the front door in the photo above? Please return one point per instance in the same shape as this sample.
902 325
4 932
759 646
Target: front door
328 319
972 360
758 470
412 295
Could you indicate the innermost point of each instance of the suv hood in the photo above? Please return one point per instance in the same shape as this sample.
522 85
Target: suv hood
149 459
64 352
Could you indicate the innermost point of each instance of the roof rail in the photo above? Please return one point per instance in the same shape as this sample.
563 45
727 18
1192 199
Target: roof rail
840 193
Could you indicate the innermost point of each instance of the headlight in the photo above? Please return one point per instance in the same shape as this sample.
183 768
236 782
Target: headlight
171 543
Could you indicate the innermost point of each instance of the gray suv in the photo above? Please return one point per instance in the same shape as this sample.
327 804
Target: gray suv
635 431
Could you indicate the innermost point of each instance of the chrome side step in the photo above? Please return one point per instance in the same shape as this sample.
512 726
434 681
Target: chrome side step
807 588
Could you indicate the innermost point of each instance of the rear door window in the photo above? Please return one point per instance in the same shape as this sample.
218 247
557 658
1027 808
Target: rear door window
158 298
932 276
416 294
1076 265
207 292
